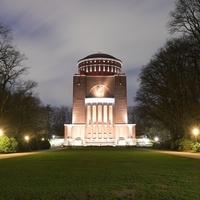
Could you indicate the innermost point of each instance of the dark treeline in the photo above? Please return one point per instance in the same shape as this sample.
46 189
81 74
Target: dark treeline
168 98
21 110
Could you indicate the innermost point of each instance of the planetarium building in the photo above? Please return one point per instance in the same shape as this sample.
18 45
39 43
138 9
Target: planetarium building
99 113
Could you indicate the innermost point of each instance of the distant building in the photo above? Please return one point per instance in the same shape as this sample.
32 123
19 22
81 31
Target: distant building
99 113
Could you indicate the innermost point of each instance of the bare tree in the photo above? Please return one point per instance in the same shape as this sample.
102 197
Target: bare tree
11 67
61 115
169 90
186 18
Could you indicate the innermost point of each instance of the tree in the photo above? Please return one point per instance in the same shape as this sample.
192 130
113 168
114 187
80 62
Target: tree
54 119
25 113
47 120
186 18
11 67
169 92
20 109
61 115
135 117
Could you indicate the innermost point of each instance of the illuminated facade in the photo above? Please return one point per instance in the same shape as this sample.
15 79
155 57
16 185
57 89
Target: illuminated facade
99 114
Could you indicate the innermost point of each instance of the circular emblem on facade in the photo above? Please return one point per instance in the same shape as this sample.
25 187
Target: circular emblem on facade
99 91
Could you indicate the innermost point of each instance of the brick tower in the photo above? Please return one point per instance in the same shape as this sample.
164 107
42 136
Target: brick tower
99 114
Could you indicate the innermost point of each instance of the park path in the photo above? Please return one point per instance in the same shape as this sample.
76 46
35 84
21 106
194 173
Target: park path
177 153
184 154
12 155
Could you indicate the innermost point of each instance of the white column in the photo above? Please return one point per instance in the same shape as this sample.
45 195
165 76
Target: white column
94 114
110 114
99 111
105 114
110 121
88 114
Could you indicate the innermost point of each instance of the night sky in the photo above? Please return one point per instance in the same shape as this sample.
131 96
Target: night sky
55 34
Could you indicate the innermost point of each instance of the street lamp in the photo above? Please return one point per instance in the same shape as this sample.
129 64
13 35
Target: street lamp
1 132
26 138
156 139
195 132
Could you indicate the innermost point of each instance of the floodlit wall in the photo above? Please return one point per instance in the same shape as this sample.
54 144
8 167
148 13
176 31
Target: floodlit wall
99 114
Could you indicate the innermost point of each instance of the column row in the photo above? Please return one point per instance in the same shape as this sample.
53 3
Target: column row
99 114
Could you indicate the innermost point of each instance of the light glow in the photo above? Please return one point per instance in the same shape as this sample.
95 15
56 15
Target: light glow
156 139
26 138
99 100
195 131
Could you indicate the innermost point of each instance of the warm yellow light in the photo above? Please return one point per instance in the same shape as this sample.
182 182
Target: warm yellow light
1 132
156 139
99 91
26 138
195 131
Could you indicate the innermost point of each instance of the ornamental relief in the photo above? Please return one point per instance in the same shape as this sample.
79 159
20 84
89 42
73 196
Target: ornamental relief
99 91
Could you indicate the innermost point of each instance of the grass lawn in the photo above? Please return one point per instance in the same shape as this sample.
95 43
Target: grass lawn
99 173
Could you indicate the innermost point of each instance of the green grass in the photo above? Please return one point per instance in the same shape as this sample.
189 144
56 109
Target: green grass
99 173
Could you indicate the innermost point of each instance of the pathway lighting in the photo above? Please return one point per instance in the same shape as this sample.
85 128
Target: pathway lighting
26 138
195 132
156 139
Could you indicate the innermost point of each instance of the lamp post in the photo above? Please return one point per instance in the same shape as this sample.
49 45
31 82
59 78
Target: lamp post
156 139
195 132
26 138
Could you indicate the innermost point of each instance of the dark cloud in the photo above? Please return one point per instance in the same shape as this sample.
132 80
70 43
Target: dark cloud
55 34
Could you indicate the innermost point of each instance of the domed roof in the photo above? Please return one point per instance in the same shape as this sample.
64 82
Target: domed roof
99 55
99 64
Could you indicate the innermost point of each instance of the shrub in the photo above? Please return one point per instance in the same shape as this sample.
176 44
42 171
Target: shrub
8 145
187 145
179 145
197 147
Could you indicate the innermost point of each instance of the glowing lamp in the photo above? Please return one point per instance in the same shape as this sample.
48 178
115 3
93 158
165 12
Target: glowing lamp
156 139
26 138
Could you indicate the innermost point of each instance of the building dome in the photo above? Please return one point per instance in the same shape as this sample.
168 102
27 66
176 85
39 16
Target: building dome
99 55
99 64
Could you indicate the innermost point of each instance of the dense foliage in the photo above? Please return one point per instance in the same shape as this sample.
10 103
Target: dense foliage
187 145
8 145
